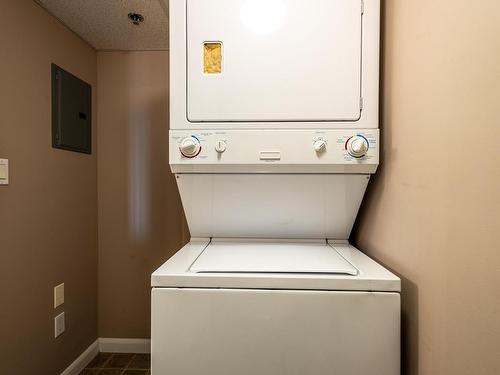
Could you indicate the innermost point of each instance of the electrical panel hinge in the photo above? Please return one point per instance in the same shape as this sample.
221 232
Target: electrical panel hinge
360 104
362 7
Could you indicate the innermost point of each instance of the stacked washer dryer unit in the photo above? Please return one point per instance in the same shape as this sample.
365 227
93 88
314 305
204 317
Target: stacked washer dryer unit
273 138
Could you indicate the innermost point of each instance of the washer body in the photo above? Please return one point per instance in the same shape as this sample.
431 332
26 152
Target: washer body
329 310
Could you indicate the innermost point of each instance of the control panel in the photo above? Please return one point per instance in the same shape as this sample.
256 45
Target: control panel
275 151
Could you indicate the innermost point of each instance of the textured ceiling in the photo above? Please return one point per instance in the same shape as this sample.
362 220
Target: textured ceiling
104 24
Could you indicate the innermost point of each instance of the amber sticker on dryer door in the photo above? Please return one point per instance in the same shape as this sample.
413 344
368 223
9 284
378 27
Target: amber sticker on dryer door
212 57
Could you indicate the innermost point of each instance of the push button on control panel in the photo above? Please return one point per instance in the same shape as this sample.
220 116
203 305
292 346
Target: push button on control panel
270 155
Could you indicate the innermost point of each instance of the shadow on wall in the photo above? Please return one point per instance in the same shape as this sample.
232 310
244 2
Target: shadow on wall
409 294
140 160
409 327
148 170
141 221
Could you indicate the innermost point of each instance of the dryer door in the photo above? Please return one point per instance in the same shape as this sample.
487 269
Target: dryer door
273 60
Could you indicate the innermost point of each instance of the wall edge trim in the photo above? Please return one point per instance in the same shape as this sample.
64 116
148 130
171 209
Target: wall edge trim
83 359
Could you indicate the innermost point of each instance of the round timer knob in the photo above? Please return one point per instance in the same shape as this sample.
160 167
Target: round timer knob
190 147
320 146
357 146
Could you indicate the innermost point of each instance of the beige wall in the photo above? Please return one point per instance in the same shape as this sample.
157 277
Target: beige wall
140 214
433 211
48 213
431 214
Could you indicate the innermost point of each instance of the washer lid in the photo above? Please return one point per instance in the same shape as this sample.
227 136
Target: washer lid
272 257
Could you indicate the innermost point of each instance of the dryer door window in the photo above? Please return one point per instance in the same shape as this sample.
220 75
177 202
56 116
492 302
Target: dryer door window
281 60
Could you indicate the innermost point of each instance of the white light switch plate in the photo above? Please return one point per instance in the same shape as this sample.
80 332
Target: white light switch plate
4 171
58 295
59 324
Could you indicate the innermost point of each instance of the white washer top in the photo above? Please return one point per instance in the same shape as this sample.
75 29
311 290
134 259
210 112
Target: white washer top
271 257
198 265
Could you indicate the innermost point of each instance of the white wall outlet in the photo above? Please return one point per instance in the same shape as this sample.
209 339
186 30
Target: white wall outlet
58 295
4 171
59 324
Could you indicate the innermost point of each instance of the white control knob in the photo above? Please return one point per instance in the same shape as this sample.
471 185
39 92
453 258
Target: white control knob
320 146
190 147
220 146
357 146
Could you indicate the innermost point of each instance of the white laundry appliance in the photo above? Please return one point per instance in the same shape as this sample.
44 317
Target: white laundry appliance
273 138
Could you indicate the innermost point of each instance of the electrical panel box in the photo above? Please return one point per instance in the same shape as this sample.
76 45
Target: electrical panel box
71 112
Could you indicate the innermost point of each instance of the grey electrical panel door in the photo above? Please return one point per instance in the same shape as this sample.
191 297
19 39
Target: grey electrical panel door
71 112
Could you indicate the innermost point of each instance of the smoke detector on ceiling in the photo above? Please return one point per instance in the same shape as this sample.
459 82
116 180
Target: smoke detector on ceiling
136 18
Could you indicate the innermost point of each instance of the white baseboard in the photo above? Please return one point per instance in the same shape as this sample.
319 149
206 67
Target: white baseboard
111 345
83 359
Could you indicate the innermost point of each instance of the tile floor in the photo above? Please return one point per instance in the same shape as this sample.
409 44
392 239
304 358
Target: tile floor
119 364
